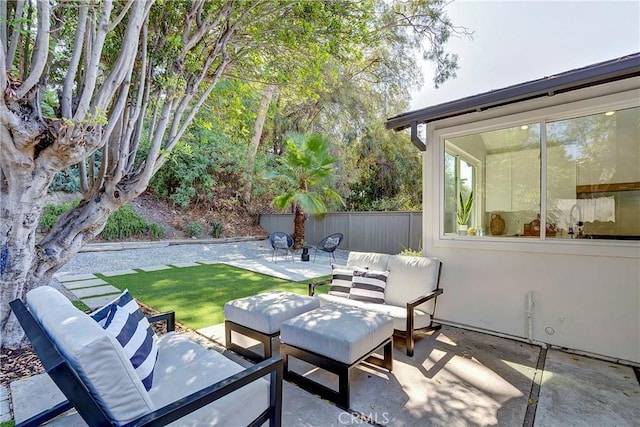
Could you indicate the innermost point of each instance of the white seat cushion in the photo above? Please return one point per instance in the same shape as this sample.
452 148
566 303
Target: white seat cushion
266 312
338 332
421 318
183 367
96 355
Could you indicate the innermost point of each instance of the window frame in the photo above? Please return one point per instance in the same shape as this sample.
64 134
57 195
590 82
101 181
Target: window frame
439 132
476 177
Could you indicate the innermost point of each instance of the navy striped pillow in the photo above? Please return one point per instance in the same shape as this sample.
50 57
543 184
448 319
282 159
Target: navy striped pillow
368 286
125 321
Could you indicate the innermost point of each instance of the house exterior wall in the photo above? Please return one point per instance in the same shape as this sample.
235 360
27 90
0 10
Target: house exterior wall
580 295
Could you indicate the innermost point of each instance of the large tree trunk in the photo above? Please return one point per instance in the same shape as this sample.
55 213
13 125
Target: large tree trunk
102 104
253 147
298 228
25 177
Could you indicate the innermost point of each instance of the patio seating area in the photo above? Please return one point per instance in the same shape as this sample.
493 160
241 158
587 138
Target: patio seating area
456 376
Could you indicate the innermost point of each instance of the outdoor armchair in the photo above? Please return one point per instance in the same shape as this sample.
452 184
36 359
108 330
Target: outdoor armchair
329 244
280 241
191 385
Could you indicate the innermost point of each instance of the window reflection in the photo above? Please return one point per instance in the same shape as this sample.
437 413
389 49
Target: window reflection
592 178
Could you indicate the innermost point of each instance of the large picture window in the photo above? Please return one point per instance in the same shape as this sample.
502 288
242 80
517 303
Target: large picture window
592 178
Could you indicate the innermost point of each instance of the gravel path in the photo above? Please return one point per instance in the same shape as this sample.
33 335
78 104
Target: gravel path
154 254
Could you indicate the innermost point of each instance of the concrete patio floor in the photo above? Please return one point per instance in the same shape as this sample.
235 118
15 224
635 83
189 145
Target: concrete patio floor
457 377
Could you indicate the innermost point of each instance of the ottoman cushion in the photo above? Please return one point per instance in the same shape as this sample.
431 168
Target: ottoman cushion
266 312
338 332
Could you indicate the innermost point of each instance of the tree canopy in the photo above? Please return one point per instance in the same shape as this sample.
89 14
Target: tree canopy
115 86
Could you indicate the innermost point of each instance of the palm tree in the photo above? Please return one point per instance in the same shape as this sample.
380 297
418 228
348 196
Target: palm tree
306 170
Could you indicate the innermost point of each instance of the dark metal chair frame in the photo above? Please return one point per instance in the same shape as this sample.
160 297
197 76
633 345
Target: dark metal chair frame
342 397
321 246
288 249
80 398
408 334
267 340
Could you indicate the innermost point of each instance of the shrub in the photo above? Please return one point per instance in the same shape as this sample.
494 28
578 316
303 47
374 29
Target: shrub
124 223
66 180
216 229
50 214
156 231
193 229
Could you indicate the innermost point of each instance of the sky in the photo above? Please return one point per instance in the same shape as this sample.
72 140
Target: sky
518 41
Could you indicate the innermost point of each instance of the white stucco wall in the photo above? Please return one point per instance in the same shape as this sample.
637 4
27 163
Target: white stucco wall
586 294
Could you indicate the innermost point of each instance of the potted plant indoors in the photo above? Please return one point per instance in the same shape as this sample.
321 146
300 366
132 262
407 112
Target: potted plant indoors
463 213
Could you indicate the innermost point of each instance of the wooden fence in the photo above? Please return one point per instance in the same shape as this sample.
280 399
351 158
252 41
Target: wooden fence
384 232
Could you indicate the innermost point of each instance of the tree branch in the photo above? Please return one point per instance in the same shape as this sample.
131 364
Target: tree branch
40 50
15 35
92 67
124 64
74 62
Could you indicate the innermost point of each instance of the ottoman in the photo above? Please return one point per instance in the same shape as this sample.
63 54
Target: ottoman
336 338
260 316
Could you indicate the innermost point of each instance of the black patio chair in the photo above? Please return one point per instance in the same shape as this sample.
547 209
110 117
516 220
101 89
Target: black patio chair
329 244
281 241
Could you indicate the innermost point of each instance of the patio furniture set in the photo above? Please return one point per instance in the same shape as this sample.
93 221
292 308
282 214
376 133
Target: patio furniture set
281 241
371 299
102 361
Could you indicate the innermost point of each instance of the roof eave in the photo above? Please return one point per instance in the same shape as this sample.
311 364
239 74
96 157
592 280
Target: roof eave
605 72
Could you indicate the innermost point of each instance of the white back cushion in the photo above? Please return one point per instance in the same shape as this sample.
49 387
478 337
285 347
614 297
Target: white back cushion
409 278
370 260
96 356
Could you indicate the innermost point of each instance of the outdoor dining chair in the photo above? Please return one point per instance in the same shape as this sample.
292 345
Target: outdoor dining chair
329 244
281 241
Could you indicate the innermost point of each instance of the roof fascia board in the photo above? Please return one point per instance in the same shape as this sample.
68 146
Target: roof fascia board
622 68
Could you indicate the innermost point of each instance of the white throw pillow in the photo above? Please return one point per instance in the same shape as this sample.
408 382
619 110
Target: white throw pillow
280 242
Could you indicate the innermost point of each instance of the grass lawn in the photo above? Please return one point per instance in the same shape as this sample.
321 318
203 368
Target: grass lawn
198 294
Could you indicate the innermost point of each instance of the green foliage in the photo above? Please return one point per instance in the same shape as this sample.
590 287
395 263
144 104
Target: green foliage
156 231
212 153
124 223
193 229
411 252
10 423
216 229
464 209
306 172
50 214
66 180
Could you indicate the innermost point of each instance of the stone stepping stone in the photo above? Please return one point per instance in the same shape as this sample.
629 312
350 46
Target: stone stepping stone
119 272
4 404
84 283
155 268
208 262
74 277
98 302
95 291
186 264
